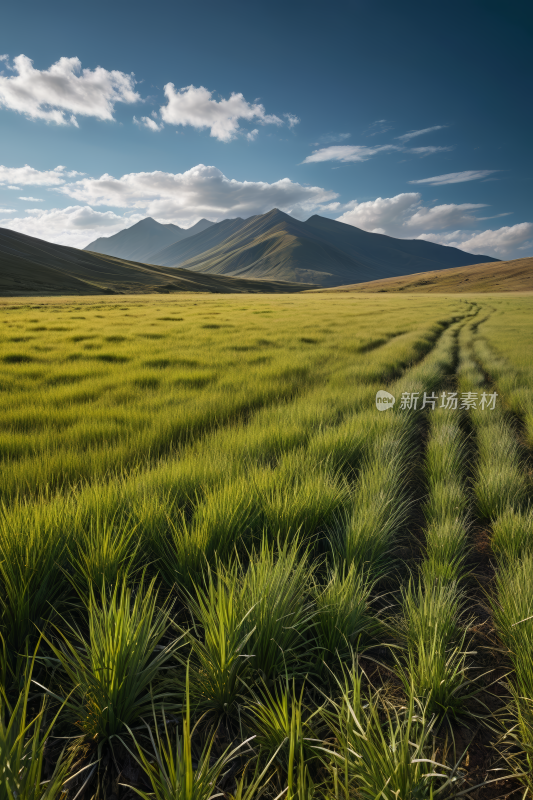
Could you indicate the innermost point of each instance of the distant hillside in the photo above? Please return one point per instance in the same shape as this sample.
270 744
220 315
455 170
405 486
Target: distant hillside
276 246
33 267
142 240
502 276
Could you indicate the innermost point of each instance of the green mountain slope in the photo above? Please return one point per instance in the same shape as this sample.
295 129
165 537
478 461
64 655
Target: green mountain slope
144 239
33 267
277 246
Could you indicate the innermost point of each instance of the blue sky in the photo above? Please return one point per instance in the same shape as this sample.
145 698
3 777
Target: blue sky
411 119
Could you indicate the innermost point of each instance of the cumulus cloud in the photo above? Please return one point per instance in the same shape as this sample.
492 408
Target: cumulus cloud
411 134
346 153
499 243
405 217
251 135
28 176
75 226
8 210
457 177
195 106
202 191
64 90
32 199
383 215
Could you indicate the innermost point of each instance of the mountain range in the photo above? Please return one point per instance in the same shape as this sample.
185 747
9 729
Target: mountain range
33 267
276 246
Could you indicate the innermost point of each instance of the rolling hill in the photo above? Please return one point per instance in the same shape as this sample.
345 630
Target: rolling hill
502 276
33 267
142 240
276 246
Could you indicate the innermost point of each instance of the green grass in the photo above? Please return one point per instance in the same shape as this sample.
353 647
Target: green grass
112 675
247 578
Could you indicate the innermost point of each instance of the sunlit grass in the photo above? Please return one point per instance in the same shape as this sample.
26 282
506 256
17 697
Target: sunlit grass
226 452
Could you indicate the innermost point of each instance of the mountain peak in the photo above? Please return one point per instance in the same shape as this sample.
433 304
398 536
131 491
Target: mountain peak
147 222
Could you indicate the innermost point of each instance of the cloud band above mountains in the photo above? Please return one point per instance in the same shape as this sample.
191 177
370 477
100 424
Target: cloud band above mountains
204 191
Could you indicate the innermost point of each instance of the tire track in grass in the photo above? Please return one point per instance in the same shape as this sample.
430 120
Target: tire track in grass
381 498
473 733
437 662
491 476
370 519
434 626
431 663
503 493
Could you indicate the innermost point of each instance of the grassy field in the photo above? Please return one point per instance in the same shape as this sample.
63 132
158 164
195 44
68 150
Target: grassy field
223 570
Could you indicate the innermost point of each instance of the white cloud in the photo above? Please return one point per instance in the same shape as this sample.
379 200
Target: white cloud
8 210
350 153
444 216
383 215
202 191
251 135
32 199
195 106
404 216
28 176
149 123
65 89
346 153
499 243
457 177
292 120
411 134
75 226
428 151
15 188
